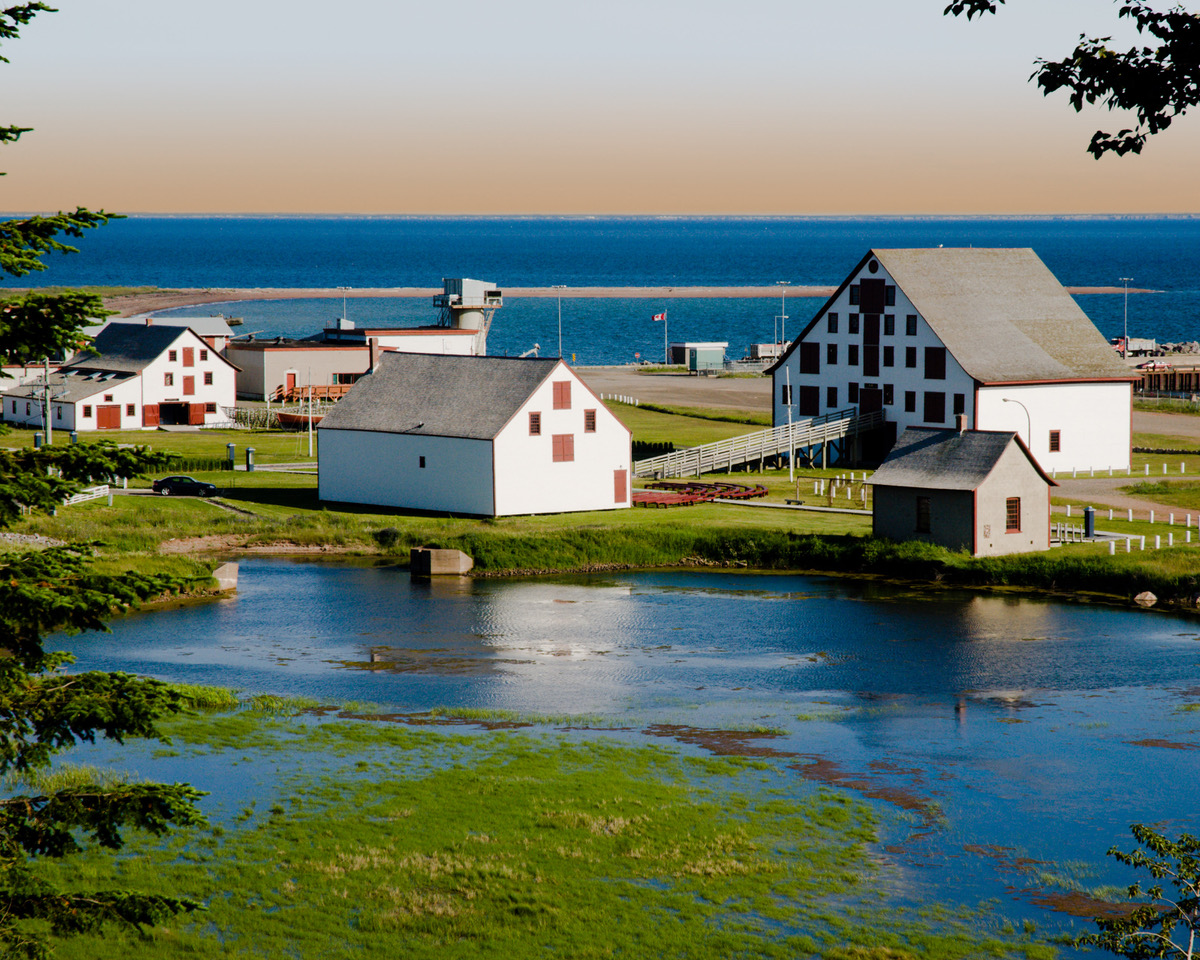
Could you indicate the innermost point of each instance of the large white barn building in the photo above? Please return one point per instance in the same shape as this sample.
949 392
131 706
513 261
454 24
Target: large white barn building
924 335
131 376
486 436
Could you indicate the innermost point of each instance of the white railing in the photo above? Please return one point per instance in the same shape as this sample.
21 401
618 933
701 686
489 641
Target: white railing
88 493
726 454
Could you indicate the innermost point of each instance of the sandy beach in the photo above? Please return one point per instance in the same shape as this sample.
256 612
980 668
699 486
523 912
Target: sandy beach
166 299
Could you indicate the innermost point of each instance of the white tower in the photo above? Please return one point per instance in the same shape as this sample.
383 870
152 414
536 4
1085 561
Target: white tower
469 305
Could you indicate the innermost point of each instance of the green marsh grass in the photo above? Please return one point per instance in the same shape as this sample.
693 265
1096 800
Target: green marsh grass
509 845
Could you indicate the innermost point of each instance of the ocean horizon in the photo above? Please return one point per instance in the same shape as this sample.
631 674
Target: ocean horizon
1160 253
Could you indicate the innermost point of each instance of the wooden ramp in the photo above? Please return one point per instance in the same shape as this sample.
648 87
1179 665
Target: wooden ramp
808 440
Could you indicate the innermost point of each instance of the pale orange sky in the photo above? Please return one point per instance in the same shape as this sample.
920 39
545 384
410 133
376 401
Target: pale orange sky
766 106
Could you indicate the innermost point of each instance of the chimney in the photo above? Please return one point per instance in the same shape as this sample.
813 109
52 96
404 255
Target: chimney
373 345
960 422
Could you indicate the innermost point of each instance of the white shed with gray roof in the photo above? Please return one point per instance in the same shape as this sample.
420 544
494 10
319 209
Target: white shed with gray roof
924 335
485 436
974 490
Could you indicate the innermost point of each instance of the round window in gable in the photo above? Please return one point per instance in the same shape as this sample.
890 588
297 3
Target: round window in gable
873 266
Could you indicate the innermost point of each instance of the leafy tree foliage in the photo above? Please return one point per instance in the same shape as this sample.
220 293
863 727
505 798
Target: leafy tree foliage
1157 82
44 709
1169 925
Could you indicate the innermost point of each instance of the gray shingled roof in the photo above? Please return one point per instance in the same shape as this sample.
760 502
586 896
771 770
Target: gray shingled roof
126 347
439 396
1002 314
945 459
68 386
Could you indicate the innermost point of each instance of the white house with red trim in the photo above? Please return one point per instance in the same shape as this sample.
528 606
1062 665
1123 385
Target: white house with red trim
482 436
924 335
131 376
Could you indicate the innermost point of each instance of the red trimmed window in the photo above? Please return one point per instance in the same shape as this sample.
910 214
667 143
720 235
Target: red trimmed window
87 410
535 424
1012 515
1055 441
589 421
208 378
203 354
130 410
210 408
168 379
172 356
564 447
562 394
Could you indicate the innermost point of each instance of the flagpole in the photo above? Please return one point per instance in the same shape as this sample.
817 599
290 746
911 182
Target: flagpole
666 345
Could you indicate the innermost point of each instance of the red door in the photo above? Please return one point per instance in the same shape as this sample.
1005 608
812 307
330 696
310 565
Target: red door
196 413
150 415
620 485
108 417
291 383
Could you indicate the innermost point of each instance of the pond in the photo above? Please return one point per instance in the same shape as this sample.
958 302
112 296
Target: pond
1007 742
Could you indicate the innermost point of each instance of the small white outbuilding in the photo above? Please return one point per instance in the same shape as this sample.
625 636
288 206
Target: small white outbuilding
482 436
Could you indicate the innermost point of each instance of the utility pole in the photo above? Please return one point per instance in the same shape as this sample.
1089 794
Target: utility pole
783 285
559 287
1125 341
46 401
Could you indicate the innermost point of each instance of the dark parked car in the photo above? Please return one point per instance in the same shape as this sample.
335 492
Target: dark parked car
184 487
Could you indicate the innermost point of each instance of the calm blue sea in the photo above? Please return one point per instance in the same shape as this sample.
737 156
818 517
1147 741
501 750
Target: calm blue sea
1162 254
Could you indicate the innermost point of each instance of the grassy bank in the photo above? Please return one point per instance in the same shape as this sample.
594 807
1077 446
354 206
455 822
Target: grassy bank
355 839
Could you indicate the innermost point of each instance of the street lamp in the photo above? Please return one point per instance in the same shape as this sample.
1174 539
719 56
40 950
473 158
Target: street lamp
343 289
1028 422
560 287
782 329
1125 341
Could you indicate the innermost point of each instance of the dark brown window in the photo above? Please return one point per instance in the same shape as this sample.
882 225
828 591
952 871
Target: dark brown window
562 395
910 401
910 325
564 447
923 512
831 398
872 297
87 410
852 354
1055 441
108 398
935 408
871 360
889 356
589 421
57 411
831 323
421 463
172 355
168 379
130 410
854 323
810 358
785 394
889 395
1012 515
208 378
535 424
210 408
935 363
960 403
910 357
889 324
810 401
852 393
203 354
831 354
345 377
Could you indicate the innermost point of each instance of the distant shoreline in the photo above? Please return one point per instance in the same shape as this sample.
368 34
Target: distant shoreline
168 299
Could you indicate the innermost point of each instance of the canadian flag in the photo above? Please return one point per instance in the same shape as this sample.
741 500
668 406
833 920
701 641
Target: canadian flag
661 316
